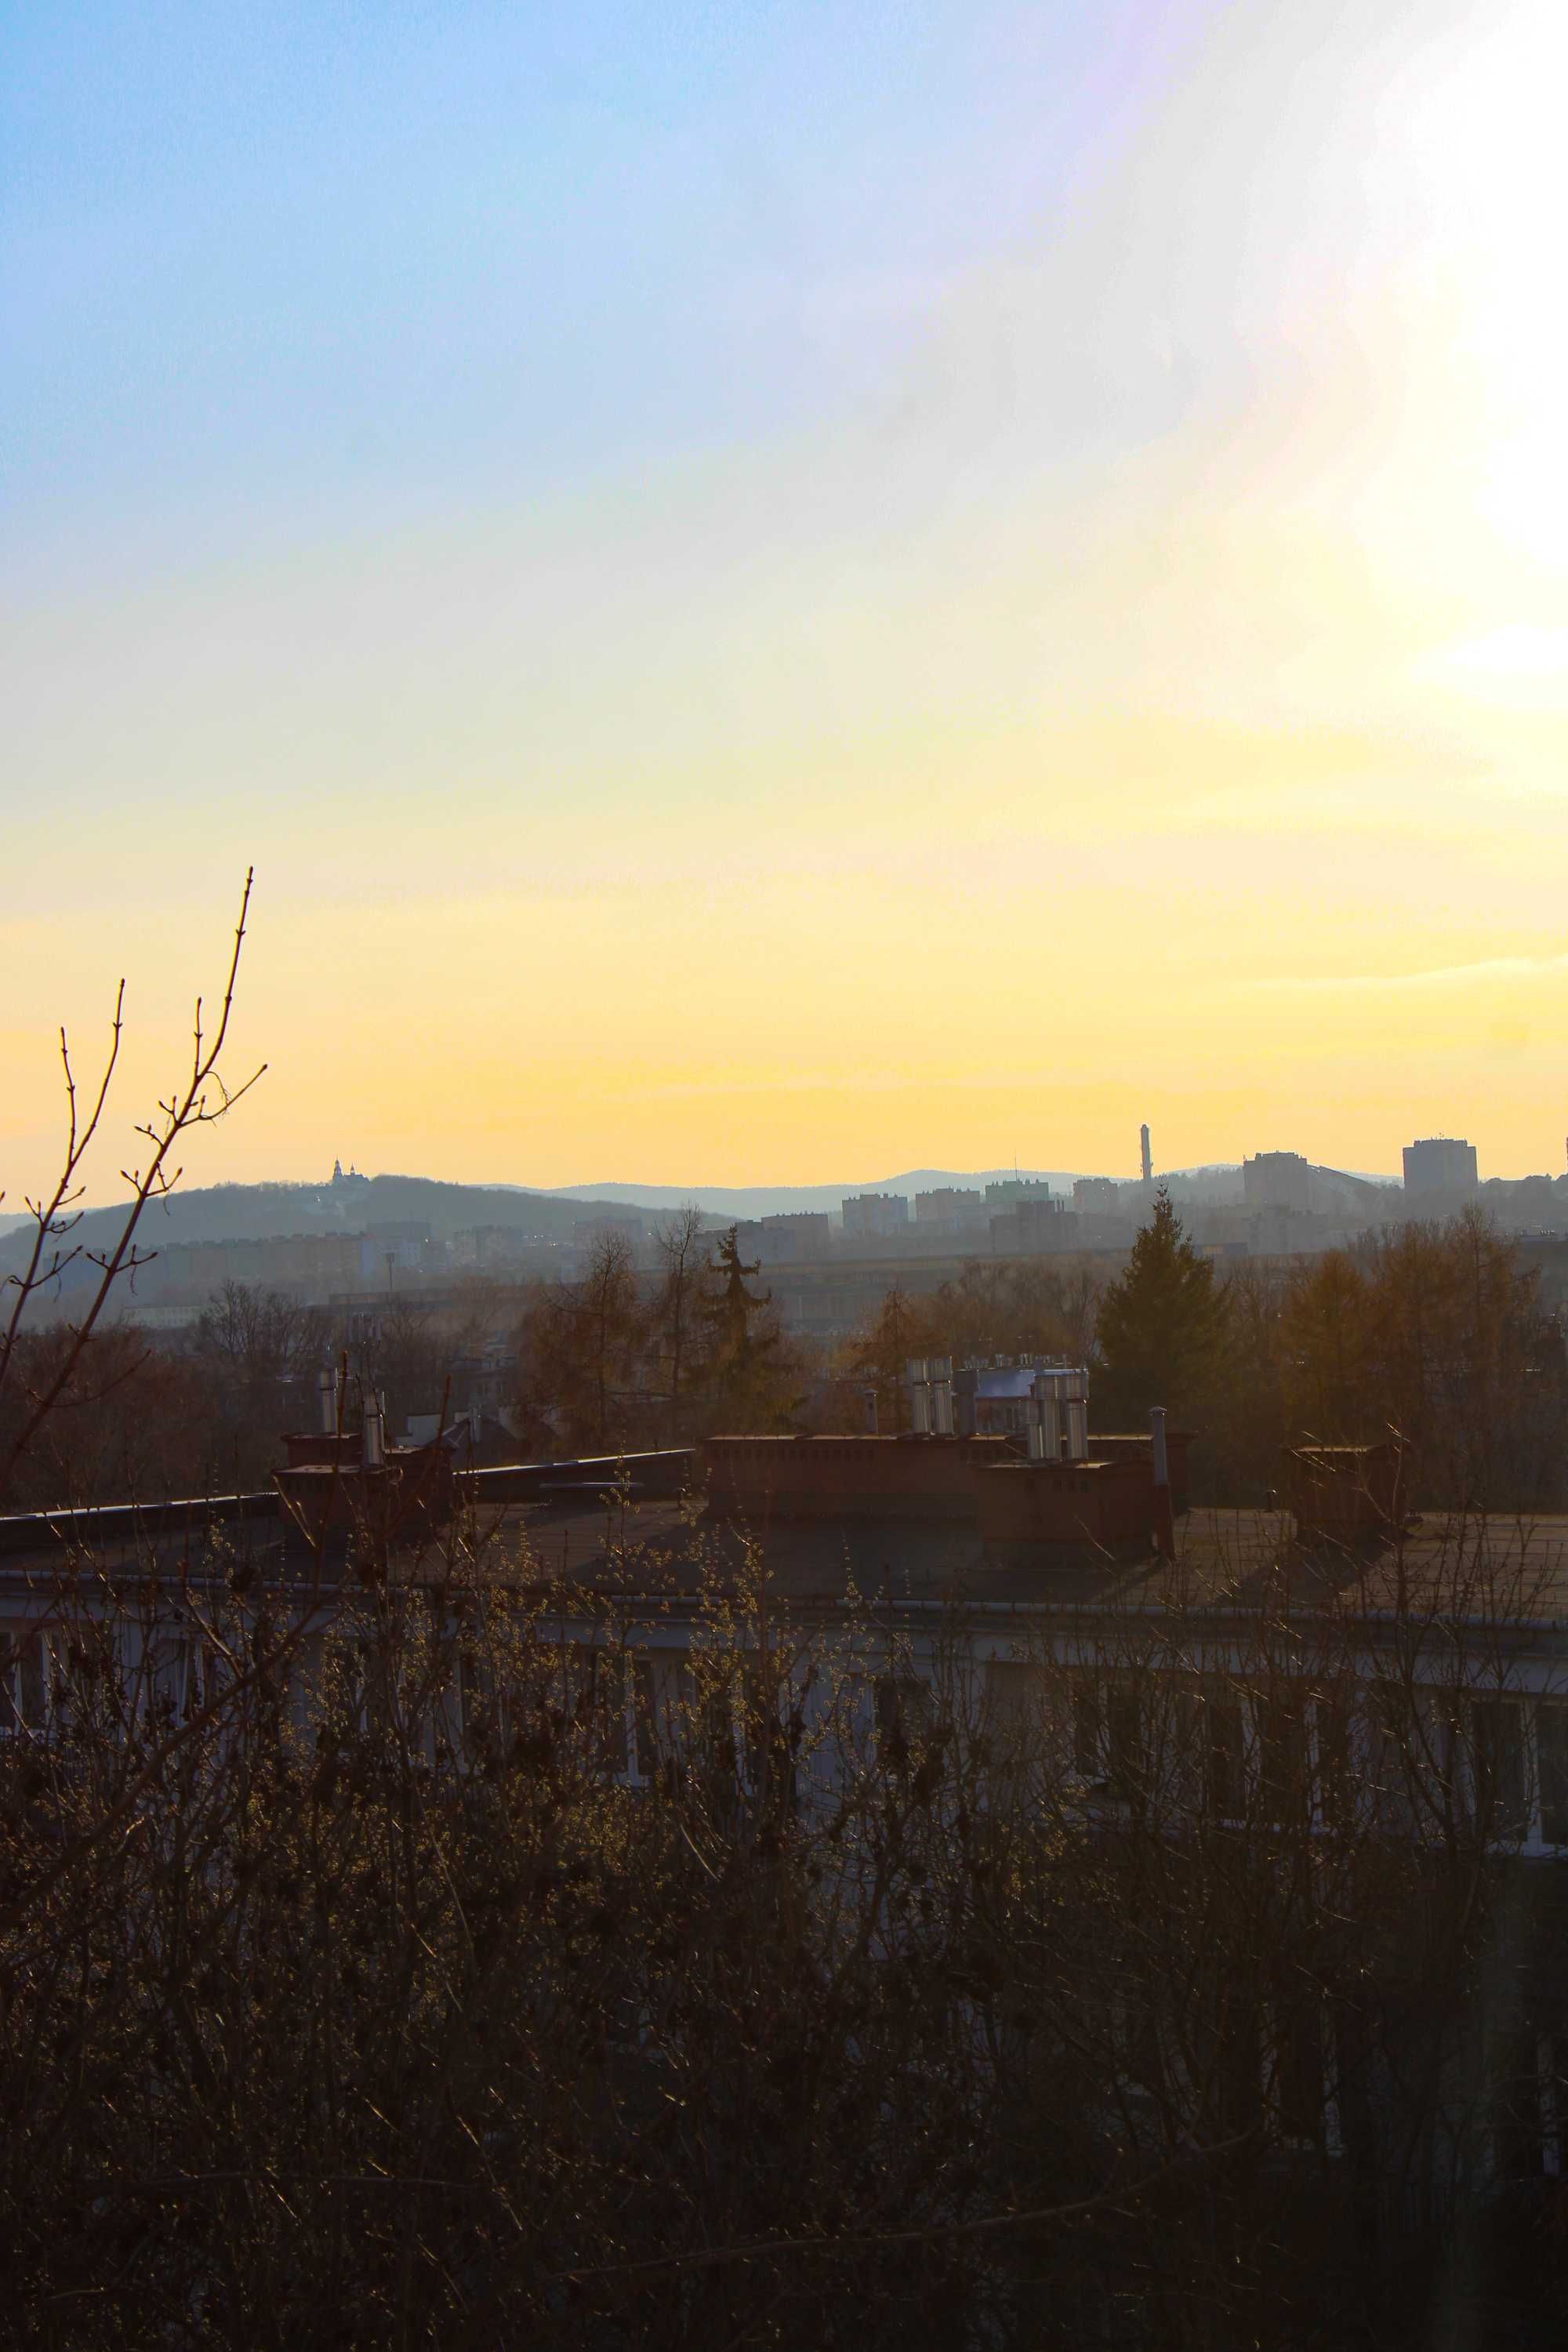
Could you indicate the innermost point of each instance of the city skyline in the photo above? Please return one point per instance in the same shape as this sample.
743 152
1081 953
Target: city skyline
824 595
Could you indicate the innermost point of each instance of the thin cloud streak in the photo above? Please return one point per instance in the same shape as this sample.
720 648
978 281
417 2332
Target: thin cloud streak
1440 976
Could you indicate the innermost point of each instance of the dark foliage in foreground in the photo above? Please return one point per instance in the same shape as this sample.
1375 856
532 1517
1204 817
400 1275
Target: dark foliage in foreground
345 1998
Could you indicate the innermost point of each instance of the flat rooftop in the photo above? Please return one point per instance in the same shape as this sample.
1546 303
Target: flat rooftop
672 1554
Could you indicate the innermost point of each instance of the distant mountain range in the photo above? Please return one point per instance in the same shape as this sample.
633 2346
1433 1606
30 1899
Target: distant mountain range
1216 1182
233 1212
785 1199
225 1213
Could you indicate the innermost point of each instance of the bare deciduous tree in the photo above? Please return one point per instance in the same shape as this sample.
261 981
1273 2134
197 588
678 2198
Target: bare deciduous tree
684 1252
203 1097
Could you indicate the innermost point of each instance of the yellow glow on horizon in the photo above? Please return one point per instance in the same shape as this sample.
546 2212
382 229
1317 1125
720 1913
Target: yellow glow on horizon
1154 705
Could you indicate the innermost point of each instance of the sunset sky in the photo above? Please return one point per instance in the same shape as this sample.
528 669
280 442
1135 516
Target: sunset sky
790 593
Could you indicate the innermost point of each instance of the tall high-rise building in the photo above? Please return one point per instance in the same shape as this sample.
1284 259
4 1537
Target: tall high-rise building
1277 1179
1010 1190
1441 1164
875 1217
1100 1196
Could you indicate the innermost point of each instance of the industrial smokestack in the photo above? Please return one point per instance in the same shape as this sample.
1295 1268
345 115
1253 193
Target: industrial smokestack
1148 1160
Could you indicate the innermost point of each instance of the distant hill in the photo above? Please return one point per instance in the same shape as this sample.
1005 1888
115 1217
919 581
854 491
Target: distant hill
235 1213
785 1199
1216 1180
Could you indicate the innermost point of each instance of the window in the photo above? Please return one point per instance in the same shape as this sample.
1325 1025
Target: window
1336 1783
1502 1807
1223 1760
1281 1722
597 1681
1530 2106
1126 1748
23 1679
903 1712
201 1679
1298 2068
169 1679
645 1718
1088 1727
1412 1755
1109 1739
475 1698
1012 1701
1552 1748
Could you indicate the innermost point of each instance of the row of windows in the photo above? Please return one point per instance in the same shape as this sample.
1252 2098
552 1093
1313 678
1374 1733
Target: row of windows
176 1677
1415 1756
1285 1754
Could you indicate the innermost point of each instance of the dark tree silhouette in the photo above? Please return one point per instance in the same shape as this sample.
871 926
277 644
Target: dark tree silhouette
748 1374
1162 1324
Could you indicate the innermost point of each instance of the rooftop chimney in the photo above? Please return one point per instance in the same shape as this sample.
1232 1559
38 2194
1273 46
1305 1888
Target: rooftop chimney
327 1400
942 1396
372 1439
1059 1395
1164 1521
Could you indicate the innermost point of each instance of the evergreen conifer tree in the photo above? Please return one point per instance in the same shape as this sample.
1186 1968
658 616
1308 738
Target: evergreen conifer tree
1161 1325
750 1387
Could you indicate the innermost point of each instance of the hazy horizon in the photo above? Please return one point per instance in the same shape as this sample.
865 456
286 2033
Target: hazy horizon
659 1194
791 594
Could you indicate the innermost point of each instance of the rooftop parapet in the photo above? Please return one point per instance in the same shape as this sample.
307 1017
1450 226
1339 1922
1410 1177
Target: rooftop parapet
764 1478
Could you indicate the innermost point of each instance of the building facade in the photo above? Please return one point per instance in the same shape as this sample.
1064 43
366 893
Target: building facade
1441 1167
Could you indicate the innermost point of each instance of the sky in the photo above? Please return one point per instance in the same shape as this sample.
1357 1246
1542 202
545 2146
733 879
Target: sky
785 594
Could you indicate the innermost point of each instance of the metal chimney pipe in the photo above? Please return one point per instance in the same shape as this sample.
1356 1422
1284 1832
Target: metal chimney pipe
327 1400
942 1396
1164 1517
372 1435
